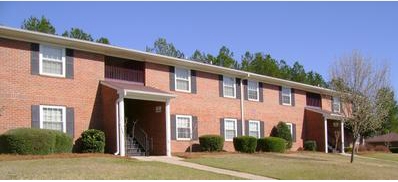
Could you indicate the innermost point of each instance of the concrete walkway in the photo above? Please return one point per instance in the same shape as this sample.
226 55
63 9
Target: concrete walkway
180 162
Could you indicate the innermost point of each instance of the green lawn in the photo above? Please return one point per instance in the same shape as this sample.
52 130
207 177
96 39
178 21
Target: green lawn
383 156
94 167
301 165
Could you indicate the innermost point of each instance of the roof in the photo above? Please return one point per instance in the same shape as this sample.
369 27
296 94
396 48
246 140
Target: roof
138 91
324 113
390 137
111 50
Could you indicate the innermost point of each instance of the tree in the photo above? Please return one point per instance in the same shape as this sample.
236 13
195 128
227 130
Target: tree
199 56
357 82
282 131
298 73
39 25
390 123
78 33
103 40
160 46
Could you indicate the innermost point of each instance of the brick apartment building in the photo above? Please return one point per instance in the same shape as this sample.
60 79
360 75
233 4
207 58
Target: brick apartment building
53 82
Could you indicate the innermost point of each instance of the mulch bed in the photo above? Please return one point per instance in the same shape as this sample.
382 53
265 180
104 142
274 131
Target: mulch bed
14 157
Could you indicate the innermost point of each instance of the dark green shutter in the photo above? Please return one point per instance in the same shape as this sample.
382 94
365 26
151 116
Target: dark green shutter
294 132
69 64
238 94
280 95
171 78
245 89
193 81
262 129
239 127
293 98
247 127
220 85
35 116
70 121
222 128
260 92
173 127
34 59
195 126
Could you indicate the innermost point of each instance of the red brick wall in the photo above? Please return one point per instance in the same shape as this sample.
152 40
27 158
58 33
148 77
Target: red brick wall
327 102
108 107
19 89
315 129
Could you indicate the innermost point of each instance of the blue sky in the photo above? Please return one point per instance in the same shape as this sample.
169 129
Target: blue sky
313 33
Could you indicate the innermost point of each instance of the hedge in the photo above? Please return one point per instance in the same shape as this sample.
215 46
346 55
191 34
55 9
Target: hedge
211 143
310 145
92 141
271 144
282 131
246 144
394 149
35 141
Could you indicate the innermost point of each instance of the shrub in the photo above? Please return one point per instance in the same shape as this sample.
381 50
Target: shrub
310 145
93 141
271 144
348 149
211 143
394 149
282 131
381 148
246 144
34 141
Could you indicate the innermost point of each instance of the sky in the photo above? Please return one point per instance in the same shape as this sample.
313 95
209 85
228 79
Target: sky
313 33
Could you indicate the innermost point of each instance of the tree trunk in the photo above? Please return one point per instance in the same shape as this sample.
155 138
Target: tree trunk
353 150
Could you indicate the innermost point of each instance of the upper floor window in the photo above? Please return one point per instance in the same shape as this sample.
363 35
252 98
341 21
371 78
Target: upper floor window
53 117
254 128
183 79
230 129
184 127
252 90
313 99
286 96
52 61
336 104
229 86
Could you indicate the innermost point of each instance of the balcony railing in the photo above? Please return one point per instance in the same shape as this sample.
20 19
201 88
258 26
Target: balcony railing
126 74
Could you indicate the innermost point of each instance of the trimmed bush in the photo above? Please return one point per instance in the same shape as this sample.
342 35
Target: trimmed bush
34 141
93 141
394 149
271 144
310 145
348 149
381 148
246 144
282 131
211 143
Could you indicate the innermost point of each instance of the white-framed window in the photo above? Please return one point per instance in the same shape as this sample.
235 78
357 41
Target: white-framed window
286 96
336 104
290 126
230 129
183 127
229 87
53 117
254 128
252 90
182 79
52 61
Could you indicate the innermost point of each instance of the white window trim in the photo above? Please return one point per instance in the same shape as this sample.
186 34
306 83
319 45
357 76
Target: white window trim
175 80
257 91
54 107
336 111
190 124
290 96
291 129
223 87
236 128
41 61
258 126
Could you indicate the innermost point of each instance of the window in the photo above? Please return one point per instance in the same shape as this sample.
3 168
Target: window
229 86
254 129
336 104
183 79
290 126
314 100
252 90
286 96
53 118
52 61
184 127
230 130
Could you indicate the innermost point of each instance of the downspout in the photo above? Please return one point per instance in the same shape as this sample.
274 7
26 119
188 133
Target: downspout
242 110
117 124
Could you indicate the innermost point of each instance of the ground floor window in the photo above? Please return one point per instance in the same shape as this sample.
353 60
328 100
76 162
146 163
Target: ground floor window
53 118
184 127
254 128
290 126
230 129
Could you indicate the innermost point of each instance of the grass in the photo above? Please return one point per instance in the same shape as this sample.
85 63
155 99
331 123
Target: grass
300 165
383 156
77 166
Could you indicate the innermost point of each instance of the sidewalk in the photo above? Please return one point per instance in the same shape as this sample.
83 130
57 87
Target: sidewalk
180 162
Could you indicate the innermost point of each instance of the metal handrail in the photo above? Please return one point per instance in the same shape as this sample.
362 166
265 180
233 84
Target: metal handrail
142 138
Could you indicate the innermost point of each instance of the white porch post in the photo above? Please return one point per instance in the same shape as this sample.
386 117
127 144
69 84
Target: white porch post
121 126
326 134
168 132
342 137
